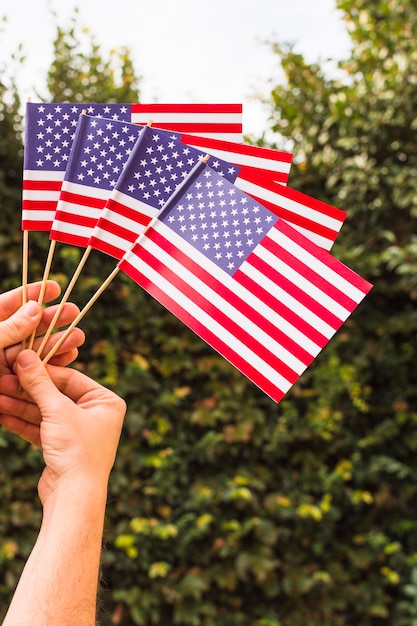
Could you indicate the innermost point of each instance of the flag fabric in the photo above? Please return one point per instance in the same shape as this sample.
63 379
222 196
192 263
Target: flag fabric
159 162
318 221
264 175
255 162
49 134
256 290
50 129
220 121
99 152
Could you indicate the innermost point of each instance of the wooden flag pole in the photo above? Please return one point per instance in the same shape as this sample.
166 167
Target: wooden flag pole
64 299
81 314
43 285
25 264
25 268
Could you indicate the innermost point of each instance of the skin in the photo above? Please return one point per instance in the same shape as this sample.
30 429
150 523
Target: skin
17 324
76 423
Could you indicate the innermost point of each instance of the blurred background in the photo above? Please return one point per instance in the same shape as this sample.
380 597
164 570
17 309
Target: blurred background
224 508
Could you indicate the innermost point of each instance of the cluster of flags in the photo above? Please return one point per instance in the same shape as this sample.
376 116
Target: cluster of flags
202 221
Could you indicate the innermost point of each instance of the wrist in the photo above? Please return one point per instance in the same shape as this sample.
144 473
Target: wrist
75 493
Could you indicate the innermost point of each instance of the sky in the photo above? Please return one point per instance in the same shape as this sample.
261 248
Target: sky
185 50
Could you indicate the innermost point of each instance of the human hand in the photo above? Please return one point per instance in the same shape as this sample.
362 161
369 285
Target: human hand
17 323
75 421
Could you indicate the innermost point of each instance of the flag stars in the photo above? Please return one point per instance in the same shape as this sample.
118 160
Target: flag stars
231 226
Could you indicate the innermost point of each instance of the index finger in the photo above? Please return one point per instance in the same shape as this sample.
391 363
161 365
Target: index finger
75 384
10 301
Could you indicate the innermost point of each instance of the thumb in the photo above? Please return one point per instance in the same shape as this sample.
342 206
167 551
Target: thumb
20 325
36 381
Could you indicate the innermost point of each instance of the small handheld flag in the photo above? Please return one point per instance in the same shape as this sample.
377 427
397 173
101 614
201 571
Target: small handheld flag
256 290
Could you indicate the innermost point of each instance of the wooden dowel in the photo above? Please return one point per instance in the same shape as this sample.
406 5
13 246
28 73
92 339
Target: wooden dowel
25 264
43 285
64 300
81 314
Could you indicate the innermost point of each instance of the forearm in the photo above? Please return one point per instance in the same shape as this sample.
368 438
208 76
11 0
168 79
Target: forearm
59 582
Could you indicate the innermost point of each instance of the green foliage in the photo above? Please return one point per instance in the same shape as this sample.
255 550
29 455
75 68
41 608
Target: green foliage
10 177
225 509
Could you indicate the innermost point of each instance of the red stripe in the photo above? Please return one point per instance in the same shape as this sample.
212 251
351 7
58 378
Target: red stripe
294 291
107 248
262 176
39 205
125 211
36 225
118 230
309 274
75 218
281 309
200 127
213 311
323 256
299 220
214 341
305 200
73 240
42 185
238 148
78 199
186 108
229 296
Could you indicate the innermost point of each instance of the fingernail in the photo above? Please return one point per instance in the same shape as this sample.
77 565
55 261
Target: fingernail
26 358
31 308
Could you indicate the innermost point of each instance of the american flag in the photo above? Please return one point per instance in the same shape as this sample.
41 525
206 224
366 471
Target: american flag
254 161
159 162
256 290
49 134
99 152
318 221
220 121
264 174
50 129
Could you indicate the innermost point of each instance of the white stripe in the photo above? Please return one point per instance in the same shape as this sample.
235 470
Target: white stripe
242 292
40 196
37 216
132 203
86 190
290 205
319 240
243 159
129 224
71 229
303 283
139 117
319 267
225 307
114 218
106 237
291 303
85 211
206 320
223 136
43 175
235 137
